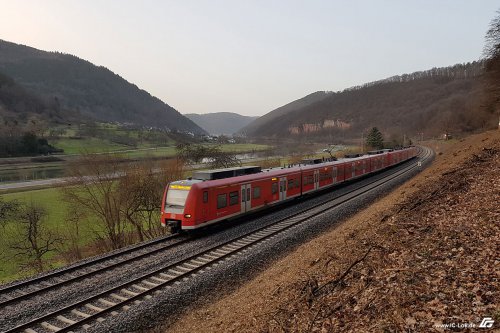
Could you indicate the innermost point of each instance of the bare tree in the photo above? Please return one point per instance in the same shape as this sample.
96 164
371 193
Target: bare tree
270 162
492 52
34 241
74 219
220 159
192 154
7 210
93 188
143 186
124 197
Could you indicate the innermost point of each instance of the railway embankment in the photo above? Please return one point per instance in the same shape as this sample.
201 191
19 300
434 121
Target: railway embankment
424 258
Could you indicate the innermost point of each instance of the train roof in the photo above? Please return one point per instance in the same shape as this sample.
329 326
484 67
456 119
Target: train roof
266 173
226 172
274 172
186 182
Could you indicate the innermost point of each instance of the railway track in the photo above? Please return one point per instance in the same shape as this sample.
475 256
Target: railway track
120 298
14 293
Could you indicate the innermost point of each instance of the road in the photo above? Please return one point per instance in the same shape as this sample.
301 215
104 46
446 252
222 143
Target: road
33 184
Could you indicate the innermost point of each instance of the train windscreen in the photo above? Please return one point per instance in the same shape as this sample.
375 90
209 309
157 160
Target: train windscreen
176 198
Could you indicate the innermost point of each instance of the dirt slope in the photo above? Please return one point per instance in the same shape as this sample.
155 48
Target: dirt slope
426 255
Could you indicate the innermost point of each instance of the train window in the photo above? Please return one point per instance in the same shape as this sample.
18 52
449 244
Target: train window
176 197
243 197
221 200
233 198
256 192
324 176
274 188
205 196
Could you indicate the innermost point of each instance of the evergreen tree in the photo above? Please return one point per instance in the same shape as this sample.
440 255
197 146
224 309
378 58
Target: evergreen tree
375 139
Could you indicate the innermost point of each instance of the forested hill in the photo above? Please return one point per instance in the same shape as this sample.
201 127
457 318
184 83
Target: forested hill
253 128
86 89
435 101
221 122
17 103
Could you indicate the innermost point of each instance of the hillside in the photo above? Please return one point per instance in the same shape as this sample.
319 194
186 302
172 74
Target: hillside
86 89
16 102
423 257
440 100
253 128
220 122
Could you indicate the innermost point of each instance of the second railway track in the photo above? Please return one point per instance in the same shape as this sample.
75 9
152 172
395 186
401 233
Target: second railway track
15 293
120 298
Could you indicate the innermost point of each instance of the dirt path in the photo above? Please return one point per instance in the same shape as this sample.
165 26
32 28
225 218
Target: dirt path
425 256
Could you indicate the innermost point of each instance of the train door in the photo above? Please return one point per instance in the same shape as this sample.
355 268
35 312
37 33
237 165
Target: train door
204 210
316 179
246 199
282 188
353 170
334 174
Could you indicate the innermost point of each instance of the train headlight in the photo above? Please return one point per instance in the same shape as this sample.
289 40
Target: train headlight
188 216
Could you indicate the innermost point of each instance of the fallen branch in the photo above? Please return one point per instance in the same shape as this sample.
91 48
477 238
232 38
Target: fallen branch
421 201
332 284
450 172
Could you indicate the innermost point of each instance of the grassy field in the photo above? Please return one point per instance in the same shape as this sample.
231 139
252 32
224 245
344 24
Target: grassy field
74 146
50 200
244 147
57 222
91 145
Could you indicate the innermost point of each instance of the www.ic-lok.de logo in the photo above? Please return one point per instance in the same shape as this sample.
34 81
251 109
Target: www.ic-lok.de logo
487 322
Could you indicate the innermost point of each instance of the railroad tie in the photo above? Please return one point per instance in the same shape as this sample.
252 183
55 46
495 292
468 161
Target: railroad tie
79 313
65 320
50 326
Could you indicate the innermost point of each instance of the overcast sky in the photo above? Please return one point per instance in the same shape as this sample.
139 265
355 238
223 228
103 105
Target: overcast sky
250 57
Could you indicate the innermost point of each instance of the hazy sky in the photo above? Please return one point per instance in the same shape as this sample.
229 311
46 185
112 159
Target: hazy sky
250 57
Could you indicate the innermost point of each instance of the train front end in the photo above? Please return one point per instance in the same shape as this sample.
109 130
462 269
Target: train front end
178 207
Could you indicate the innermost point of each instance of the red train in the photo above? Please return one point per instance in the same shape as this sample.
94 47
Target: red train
216 195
